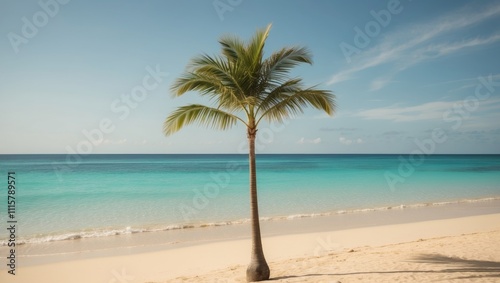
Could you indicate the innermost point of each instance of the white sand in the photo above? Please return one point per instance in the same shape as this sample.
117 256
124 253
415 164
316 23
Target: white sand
381 254
466 258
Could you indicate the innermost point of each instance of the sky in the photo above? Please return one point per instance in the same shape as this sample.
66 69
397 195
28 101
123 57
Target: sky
92 77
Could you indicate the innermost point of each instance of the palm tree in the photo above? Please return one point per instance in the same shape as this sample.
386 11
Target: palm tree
244 87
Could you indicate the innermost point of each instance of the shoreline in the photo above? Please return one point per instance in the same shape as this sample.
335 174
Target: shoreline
189 263
148 255
115 231
82 248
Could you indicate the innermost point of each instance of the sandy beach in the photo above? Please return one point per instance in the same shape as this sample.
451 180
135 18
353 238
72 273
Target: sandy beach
415 248
466 258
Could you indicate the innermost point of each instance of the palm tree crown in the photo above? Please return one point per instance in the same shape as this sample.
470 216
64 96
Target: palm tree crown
241 81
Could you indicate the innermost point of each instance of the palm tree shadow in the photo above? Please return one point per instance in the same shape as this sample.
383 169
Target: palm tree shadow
462 265
477 268
300 276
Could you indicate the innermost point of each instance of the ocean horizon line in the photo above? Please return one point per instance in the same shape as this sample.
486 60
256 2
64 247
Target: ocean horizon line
244 154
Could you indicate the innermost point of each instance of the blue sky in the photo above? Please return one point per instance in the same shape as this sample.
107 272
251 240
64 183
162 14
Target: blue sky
94 76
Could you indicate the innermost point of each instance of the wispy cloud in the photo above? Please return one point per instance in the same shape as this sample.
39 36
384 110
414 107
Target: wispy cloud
348 141
431 110
426 111
467 86
379 83
485 117
304 141
474 79
323 116
434 51
414 44
464 83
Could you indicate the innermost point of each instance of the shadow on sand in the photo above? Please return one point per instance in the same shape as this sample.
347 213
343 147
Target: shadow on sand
477 268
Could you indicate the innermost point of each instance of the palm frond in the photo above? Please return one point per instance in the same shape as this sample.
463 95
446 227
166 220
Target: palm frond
201 114
255 47
294 104
277 66
277 93
233 48
190 81
212 80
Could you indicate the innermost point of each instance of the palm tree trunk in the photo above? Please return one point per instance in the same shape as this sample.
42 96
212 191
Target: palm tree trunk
258 269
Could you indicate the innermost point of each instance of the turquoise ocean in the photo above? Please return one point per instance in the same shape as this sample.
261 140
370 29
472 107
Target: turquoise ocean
61 197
